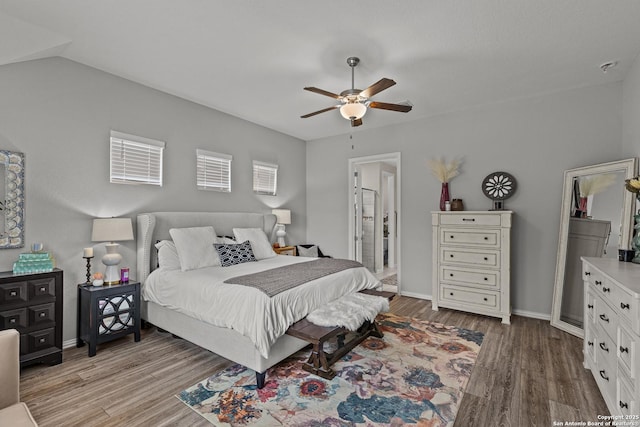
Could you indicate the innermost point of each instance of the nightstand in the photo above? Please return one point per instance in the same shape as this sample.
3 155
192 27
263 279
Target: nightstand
285 250
106 313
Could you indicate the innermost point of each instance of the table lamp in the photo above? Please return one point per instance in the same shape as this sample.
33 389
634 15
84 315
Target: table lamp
111 230
283 217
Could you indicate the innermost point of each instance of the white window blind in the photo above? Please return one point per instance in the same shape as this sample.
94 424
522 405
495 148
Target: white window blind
135 159
265 178
213 171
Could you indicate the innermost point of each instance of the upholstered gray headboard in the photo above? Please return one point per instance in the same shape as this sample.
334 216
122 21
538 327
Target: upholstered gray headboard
155 226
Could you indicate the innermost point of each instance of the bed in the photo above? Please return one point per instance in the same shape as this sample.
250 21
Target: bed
208 321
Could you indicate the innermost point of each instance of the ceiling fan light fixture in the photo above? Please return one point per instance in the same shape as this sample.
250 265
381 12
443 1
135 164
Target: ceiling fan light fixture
353 110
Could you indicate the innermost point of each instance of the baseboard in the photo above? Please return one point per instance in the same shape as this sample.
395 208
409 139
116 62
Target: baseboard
415 295
531 314
69 343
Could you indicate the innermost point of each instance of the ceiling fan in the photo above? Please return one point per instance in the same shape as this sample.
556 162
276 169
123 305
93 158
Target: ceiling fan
354 102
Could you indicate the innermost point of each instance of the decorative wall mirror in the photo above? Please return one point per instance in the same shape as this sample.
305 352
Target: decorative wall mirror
11 199
596 220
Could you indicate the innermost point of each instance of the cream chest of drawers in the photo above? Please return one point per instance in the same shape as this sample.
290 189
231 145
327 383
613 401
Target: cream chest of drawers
612 331
471 262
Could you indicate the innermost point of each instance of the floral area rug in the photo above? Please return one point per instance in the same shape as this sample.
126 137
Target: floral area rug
415 375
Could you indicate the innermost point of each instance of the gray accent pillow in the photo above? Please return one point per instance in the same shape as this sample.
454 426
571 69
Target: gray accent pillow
234 254
308 252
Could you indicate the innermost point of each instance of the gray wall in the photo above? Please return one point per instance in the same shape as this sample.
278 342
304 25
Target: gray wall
631 110
59 113
534 139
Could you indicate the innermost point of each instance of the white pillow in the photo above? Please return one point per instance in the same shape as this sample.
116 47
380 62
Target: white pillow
195 247
311 252
259 242
168 255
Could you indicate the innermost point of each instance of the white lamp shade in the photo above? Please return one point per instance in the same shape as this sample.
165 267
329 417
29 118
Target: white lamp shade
283 216
353 110
111 229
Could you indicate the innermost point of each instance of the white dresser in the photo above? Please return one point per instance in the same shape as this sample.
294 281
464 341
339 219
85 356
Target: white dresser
471 262
612 331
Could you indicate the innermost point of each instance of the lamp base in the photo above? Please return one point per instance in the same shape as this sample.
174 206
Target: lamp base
280 234
111 260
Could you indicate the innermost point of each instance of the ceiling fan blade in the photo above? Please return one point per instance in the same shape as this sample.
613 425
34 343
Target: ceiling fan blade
393 107
323 92
356 122
377 87
319 111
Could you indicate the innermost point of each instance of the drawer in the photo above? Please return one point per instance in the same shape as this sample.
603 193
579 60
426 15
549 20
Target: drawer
471 219
13 293
627 306
605 376
43 288
590 344
40 340
470 236
470 257
605 349
590 308
625 401
627 349
41 314
461 276
475 297
606 319
16 319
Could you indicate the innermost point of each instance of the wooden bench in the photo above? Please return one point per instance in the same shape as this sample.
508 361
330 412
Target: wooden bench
320 361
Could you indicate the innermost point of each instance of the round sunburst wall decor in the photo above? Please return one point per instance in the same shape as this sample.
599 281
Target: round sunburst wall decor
499 186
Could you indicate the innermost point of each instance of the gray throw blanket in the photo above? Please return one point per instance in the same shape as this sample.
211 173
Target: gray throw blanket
280 279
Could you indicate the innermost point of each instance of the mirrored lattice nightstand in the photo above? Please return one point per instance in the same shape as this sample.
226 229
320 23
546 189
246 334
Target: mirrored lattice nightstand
106 313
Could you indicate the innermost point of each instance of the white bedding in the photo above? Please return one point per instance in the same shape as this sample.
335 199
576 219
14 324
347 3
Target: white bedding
201 294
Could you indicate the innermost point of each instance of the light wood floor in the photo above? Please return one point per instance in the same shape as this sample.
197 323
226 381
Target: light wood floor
527 374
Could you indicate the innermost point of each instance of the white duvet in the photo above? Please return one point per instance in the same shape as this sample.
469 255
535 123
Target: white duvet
202 294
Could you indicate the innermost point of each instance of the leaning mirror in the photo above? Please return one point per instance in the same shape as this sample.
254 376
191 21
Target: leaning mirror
596 220
11 199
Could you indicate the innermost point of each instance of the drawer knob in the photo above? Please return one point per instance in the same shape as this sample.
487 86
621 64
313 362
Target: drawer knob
587 273
624 306
485 298
43 314
12 320
450 274
13 293
468 219
602 374
486 259
486 278
598 282
604 347
451 293
606 289
451 255
624 349
589 305
451 237
42 289
623 405
42 340
605 318
590 343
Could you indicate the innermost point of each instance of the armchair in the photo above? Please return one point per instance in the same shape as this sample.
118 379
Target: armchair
12 412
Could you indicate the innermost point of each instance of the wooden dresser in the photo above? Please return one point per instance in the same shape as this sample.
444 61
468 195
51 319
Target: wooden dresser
32 304
612 331
471 262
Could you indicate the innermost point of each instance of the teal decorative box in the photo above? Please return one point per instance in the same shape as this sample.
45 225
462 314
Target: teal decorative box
33 262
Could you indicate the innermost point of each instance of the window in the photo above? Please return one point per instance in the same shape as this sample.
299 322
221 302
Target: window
213 171
135 159
265 178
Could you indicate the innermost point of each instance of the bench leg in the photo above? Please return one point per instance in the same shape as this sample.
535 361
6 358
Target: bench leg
260 378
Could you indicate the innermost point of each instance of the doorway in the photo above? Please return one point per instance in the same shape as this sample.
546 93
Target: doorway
374 216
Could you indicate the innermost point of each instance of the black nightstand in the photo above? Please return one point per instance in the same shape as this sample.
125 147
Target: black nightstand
107 313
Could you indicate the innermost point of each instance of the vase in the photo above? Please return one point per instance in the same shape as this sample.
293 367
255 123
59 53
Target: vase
444 195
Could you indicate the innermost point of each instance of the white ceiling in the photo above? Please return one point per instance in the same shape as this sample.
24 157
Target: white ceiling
251 59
